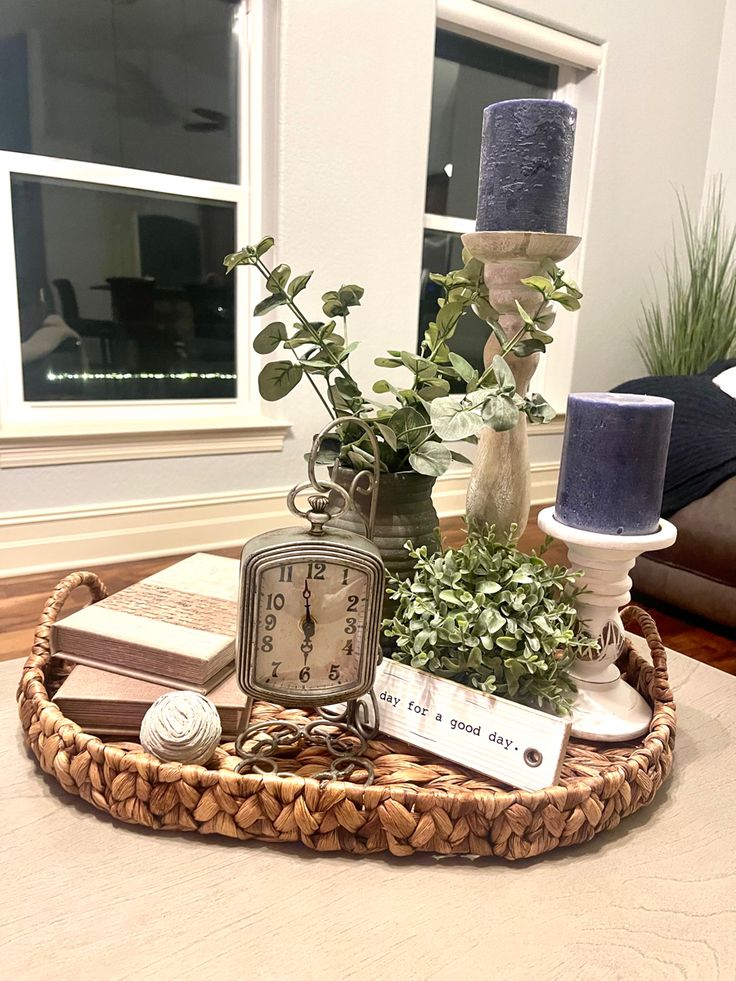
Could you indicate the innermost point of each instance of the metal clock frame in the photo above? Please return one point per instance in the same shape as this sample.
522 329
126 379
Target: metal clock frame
292 548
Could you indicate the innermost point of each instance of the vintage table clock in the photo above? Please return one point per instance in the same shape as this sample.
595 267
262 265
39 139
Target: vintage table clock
309 621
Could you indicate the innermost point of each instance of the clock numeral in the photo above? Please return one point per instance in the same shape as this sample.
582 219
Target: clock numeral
304 675
316 570
275 602
275 665
270 621
334 672
345 576
267 644
353 603
348 648
350 627
285 573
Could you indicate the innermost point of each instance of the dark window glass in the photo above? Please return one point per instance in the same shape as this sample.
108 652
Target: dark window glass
468 76
149 84
122 294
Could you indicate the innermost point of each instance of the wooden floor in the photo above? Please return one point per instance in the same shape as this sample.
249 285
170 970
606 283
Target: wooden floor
22 599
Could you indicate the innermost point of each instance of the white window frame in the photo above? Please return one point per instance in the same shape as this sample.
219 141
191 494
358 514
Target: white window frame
25 425
580 64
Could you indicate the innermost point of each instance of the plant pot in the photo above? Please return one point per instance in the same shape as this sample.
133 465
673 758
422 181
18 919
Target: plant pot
404 512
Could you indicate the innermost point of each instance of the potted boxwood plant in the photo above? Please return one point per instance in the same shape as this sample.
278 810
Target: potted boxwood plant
488 616
414 430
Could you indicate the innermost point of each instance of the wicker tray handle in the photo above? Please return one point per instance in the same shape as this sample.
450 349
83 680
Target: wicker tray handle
41 650
634 615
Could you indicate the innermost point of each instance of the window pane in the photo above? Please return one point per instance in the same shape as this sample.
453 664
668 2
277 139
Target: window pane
468 76
149 84
443 252
122 294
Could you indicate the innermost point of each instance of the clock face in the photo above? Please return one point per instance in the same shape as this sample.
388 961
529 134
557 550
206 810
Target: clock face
310 627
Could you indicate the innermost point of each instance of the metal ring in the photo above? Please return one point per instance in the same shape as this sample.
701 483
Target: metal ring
322 489
278 733
532 757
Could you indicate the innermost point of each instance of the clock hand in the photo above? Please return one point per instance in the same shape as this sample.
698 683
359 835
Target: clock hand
307 624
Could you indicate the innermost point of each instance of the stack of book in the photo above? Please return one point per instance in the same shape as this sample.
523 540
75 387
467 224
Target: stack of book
173 630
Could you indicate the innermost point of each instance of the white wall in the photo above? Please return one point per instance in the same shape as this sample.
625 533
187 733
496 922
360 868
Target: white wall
722 150
355 80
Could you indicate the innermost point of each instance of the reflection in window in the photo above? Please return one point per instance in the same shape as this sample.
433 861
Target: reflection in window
122 294
149 84
468 76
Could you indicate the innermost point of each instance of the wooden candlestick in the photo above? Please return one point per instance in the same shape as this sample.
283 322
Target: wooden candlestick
499 488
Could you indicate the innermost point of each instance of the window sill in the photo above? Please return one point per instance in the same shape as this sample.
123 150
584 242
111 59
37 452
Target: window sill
31 447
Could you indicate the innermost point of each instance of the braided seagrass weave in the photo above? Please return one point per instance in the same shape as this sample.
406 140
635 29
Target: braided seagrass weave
417 803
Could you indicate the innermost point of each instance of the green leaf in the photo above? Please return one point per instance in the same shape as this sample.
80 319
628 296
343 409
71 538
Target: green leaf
388 434
500 413
456 419
245 257
350 295
268 303
431 458
540 283
447 318
278 279
460 458
268 339
277 378
332 307
328 452
387 362
523 314
530 345
263 246
483 309
434 389
346 351
298 283
504 375
565 300
466 371
410 426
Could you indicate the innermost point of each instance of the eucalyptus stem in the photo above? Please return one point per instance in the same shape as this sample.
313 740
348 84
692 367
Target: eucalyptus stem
331 410
263 269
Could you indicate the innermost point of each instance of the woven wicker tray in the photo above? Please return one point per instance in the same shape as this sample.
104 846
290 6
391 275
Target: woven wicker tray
418 803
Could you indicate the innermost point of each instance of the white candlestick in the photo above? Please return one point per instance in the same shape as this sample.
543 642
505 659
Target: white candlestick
606 708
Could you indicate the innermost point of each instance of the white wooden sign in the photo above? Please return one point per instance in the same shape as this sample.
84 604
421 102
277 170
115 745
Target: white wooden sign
520 746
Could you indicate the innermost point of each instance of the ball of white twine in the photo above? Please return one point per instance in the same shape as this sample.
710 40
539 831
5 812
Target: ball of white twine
181 727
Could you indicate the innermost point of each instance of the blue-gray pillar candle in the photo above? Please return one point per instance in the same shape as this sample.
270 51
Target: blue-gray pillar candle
525 166
614 456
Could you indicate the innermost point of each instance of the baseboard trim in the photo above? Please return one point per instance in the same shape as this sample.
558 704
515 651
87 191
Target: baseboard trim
72 537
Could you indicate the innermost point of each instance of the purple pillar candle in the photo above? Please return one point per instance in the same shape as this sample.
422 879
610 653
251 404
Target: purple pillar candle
614 456
525 166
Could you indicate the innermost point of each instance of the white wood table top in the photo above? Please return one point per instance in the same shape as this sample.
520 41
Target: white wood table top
85 897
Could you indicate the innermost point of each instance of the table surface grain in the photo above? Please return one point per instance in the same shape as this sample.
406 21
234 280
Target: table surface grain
86 897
